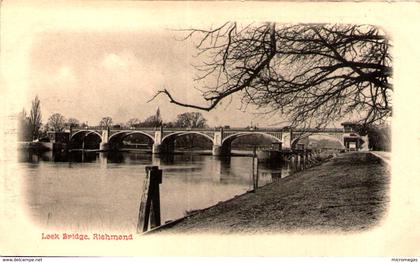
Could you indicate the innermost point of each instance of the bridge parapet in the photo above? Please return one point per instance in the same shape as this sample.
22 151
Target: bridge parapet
236 129
318 130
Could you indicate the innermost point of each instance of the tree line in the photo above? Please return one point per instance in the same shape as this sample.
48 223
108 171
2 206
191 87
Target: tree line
30 127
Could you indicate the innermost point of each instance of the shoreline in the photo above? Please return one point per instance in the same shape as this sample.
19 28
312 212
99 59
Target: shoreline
333 196
172 223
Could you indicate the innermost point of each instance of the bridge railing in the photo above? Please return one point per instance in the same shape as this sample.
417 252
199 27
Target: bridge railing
318 130
115 128
233 129
177 128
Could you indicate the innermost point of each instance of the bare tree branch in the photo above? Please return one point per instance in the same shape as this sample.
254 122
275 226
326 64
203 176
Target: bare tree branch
310 73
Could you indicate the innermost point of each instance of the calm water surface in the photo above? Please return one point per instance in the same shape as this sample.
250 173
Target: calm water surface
99 191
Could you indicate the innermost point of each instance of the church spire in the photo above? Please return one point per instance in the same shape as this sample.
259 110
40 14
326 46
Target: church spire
158 117
158 113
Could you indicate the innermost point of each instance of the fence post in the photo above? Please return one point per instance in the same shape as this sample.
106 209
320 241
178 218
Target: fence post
150 201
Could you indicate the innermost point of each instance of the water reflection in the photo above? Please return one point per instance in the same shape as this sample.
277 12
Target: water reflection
90 190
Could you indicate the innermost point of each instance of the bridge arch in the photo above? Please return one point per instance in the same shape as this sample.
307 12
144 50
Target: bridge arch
335 137
117 138
86 132
123 134
183 133
85 139
226 146
232 137
168 142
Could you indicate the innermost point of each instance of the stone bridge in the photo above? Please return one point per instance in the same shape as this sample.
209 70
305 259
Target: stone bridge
163 139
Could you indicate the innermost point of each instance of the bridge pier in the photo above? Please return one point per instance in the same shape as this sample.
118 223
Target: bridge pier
286 138
156 149
295 161
298 161
217 150
103 146
157 146
156 160
167 147
221 150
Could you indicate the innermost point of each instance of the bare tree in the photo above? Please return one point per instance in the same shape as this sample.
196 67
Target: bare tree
190 119
105 122
35 117
24 127
73 122
133 122
152 121
56 122
312 74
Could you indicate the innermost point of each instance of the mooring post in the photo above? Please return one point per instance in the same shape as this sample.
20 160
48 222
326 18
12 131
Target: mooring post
150 201
308 156
292 161
255 175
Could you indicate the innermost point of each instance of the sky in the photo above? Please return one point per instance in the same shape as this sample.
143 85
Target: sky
91 61
90 74
97 60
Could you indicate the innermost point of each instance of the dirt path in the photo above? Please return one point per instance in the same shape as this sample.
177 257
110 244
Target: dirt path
350 192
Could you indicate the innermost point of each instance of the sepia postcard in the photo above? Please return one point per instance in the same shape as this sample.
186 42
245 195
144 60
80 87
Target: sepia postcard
136 128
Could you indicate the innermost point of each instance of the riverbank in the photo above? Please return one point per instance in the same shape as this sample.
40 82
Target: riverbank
347 193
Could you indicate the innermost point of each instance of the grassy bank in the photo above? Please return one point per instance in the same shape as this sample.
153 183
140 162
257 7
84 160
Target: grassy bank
348 193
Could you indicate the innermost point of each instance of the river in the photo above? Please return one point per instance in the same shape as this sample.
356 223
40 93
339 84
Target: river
94 191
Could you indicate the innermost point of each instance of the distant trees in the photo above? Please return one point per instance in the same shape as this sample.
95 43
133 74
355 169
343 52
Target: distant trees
250 142
379 136
73 122
153 121
29 126
105 122
24 127
186 120
35 117
191 120
56 122
133 122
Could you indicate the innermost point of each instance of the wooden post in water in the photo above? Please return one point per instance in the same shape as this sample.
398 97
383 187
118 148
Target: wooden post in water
83 142
255 175
298 158
150 201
